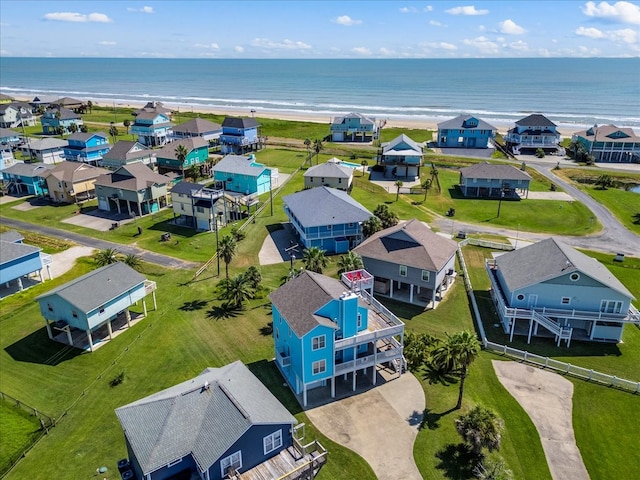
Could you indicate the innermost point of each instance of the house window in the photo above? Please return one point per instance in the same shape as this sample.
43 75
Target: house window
520 297
322 179
182 207
75 314
351 225
359 320
232 462
403 270
339 180
311 179
575 277
475 180
49 307
425 275
173 464
319 367
272 442
102 309
329 227
566 300
318 342
611 306
277 333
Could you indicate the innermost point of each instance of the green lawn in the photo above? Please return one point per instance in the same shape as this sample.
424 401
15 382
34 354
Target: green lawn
18 430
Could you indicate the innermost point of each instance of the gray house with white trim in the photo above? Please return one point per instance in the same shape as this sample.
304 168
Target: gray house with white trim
329 174
493 180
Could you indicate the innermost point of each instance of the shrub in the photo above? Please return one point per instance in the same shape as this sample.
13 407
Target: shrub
540 153
117 380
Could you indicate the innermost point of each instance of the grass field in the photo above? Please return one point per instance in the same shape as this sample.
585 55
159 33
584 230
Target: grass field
18 430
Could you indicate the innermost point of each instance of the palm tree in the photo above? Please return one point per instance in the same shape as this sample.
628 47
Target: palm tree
364 164
226 251
480 428
455 355
398 184
253 276
60 131
314 259
113 131
371 226
181 155
386 216
192 172
106 257
84 128
90 106
132 260
426 185
238 290
317 147
127 124
307 143
73 127
350 262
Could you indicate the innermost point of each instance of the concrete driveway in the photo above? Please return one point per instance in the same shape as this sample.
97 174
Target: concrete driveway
274 246
380 424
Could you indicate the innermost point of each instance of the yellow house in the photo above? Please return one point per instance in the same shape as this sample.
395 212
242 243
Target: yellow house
5 98
71 182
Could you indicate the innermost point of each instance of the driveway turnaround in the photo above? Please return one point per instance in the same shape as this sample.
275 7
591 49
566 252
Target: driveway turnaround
547 399
379 424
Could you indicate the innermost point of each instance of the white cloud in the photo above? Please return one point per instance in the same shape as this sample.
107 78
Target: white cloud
511 28
238 49
4 52
347 21
436 23
408 10
107 43
143 9
468 10
483 44
77 17
283 45
625 35
623 12
441 46
212 46
361 51
519 46
386 52
428 8
590 32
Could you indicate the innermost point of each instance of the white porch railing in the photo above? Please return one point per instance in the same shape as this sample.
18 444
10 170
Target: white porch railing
368 361
367 336
149 286
283 360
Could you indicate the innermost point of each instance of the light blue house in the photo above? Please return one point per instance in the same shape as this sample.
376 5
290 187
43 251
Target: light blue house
87 147
328 333
608 143
152 128
197 153
55 117
19 260
465 131
242 174
9 137
494 180
549 289
222 424
240 135
354 127
326 218
401 158
27 178
88 311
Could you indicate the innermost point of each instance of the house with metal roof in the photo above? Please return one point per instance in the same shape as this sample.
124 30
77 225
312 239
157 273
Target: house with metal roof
126 152
87 147
330 174
330 335
222 424
532 132
493 180
465 131
47 150
90 310
326 218
26 178
134 189
55 117
354 127
608 143
71 182
240 135
409 262
20 261
401 158
152 127
198 127
242 174
549 289
197 153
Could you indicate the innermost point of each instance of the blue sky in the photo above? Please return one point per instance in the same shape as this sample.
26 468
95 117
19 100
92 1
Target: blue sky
319 29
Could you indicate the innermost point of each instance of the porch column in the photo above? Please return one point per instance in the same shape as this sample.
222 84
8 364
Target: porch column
535 330
20 284
304 394
129 207
333 387
530 328
144 307
127 316
155 305
40 275
69 337
593 329
49 333
411 293
375 364
391 291
109 329
513 327
90 339
354 380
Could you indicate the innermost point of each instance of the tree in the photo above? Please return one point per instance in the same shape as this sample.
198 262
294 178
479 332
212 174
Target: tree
84 128
604 182
90 106
113 131
426 186
253 276
386 216
127 124
132 260
480 428
237 290
398 184
73 127
307 143
238 234
181 155
317 147
371 226
540 153
106 257
59 130
492 470
455 355
416 349
226 251
350 262
192 172
314 259
364 164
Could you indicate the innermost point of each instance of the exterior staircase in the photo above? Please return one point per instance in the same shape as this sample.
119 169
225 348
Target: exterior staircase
560 331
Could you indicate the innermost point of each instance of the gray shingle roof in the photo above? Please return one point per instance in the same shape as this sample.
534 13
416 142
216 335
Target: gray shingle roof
185 188
549 259
238 164
65 113
83 137
299 299
133 177
11 236
122 151
499 172
151 115
7 132
458 123
13 251
236 122
363 120
603 132
198 125
48 144
325 206
389 148
29 169
409 243
191 143
76 171
329 170
535 120
96 288
204 421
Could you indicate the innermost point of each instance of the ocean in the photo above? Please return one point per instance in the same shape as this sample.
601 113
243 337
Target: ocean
572 92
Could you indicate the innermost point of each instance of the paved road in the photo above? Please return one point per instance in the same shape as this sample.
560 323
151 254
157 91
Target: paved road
146 255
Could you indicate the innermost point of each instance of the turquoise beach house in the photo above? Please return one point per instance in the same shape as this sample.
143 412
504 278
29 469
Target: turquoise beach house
197 154
55 117
242 174
327 334
401 158
19 260
87 147
608 143
239 135
465 131
152 128
26 178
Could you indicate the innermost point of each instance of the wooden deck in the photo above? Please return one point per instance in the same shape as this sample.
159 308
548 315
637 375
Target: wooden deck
289 464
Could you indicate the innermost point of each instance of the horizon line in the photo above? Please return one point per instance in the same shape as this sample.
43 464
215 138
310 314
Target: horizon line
623 57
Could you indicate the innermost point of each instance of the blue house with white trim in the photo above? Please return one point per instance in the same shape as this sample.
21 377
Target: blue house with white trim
240 135
326 218
327 332
465 131
197 154
401 157
55 117
354 127
242 174
87 147
222 424
19 260
153 128
27 178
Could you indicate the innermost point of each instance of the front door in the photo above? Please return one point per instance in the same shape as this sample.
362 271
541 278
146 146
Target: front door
533 300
